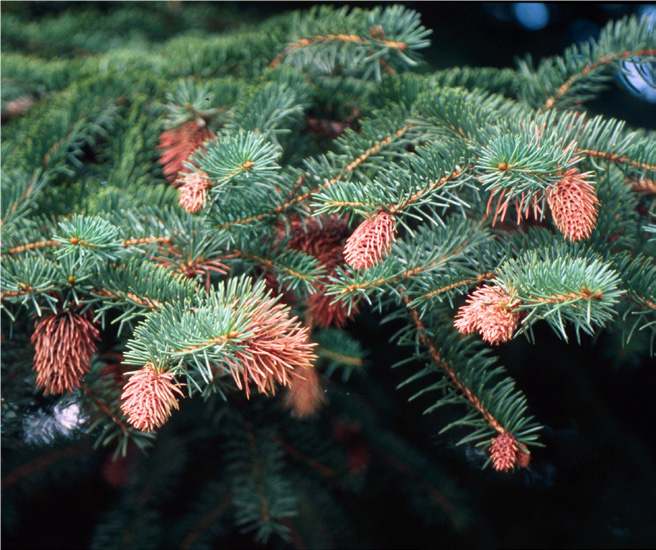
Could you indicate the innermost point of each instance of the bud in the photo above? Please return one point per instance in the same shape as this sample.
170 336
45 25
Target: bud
276 350
523 458
323 238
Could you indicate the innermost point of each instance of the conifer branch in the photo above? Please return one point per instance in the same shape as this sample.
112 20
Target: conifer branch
125 243
407 274
435 495
295 535
301 170
435 355
592 68
15 293
32 246
98 402
303 197
293 451
352 361
393 209
275 265
354 39
131 296
257 470
465 237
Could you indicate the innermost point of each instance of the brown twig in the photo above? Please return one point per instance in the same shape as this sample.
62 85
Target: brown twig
319 39
323 470
644 186
477 280
614 157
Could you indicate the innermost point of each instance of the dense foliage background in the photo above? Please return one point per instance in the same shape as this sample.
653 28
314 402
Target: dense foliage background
595 482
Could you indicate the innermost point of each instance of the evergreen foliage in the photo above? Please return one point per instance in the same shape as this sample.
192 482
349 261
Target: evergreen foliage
317 118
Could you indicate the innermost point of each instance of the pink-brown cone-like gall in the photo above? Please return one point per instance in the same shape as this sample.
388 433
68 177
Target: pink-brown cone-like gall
148 398
277 348
504 452
491 312
193 192
64 344
178 144
370 241
305 395
573 204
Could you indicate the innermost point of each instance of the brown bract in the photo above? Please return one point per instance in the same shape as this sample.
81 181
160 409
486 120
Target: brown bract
64 344
149 397
320 306
318 235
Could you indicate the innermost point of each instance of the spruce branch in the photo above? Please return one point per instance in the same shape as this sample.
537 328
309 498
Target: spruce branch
599 65
617 158
437 249
360 159
293 269
204 522
582 71
473 400
262 496
496 407
430 177
19 195
585 290
59 242
358 44
236 330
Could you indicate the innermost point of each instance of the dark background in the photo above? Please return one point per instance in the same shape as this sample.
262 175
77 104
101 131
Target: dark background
594 485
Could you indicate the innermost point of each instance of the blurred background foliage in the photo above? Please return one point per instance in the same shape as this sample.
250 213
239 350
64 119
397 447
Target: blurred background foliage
594 484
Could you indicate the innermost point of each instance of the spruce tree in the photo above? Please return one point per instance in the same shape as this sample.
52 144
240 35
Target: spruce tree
194 223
